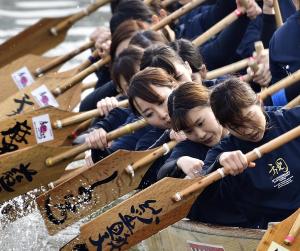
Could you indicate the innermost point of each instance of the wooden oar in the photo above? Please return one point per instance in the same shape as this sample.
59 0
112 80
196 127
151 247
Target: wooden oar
221 25
293 103
259 48
278 16
274 238
231 68
95 187
24 71
86 86
43 91
154 208
283 83
48 125
36 166
38 39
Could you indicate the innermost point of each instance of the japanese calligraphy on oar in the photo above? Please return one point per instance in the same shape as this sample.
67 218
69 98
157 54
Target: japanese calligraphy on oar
117 234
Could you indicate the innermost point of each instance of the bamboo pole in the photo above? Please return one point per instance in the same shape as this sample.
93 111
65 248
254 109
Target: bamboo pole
164 149
83 116
62 59
81 75
293 103
221 25
72 19
129 128
284 83
278 16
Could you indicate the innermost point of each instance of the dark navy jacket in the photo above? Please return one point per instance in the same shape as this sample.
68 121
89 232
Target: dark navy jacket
90 101
285 57
270 191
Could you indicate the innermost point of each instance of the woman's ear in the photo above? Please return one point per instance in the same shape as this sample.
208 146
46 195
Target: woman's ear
188 67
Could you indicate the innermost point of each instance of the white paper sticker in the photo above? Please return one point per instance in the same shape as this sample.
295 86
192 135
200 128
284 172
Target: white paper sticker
276 247
22 78
42 128
44 97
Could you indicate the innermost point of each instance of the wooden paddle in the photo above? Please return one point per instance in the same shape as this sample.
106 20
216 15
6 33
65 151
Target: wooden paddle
274 238
154 208
278 16
24 70
38 39
221 25
47 125
95 187
293 103
43 91
36 166
259 48
283 83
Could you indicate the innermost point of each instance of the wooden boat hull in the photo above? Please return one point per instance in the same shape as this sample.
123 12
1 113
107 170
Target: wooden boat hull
195 236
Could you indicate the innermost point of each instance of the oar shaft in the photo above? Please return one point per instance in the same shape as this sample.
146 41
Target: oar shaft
251 156
234 67
124 130
74 18
164 149
293 103
278 17
83 116
176 14
284 83
89 85
225 22
81 75
81 128
62 59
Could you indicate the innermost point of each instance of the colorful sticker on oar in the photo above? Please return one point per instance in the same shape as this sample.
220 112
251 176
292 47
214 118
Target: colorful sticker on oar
197 246
42 128
276 247
44 97
22 78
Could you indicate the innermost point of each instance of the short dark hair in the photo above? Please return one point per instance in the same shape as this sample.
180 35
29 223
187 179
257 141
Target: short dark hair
188 52
125 31
130 9
140 85
184 98
228 98
161 56
147 38
126 64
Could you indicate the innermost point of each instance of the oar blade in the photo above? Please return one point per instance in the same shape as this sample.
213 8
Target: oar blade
20 73
25 170
32 128
37 95
36 39
275 235
137 218
92 189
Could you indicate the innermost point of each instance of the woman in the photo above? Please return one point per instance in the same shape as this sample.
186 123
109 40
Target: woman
190 112
270 191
